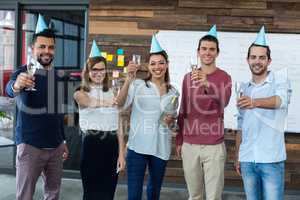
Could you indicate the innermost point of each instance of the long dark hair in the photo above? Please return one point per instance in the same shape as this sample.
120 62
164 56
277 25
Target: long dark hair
167 75
85 77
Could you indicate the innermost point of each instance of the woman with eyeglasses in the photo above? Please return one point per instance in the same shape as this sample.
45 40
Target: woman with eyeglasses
149 143
102 153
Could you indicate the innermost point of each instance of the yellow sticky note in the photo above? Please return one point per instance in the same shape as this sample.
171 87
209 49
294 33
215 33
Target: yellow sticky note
104 54
109 57
120 61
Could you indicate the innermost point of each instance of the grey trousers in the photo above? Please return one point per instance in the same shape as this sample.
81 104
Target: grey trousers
31 162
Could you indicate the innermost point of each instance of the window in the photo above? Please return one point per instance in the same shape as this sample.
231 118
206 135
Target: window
69 40
7 34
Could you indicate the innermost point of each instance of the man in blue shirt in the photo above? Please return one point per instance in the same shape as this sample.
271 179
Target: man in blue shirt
260 147
39 129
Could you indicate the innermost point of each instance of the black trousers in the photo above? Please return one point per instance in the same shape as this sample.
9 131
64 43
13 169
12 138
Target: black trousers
98 165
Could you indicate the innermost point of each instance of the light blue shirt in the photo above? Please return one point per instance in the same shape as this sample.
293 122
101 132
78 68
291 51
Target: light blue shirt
263 129
146 134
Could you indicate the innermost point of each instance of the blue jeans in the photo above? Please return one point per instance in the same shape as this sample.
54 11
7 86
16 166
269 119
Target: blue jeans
263 180
136 167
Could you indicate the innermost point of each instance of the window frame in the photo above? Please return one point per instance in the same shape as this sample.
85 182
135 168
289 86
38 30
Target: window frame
18 6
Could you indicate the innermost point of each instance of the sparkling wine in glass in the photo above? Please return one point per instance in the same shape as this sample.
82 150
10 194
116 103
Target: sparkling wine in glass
136 59
31 68
238 88
116 87
193 63
193 66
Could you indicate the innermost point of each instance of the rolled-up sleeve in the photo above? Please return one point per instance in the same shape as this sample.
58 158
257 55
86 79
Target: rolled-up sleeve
283 90
9 86
240 119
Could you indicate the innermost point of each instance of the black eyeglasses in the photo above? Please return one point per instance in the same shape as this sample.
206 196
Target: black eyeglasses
95 70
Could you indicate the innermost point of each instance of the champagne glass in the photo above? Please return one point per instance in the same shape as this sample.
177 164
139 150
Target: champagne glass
136 59
238 88
193 66
116 87
31 68
170 109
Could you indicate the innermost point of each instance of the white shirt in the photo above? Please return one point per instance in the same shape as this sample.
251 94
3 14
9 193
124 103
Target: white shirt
147 135
263 129
102 118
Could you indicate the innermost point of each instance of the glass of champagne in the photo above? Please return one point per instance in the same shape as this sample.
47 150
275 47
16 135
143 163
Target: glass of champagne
170 109
116 87
136 59
238 88
194 67
31 68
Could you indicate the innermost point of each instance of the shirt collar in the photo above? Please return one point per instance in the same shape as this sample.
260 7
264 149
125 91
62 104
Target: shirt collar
269 79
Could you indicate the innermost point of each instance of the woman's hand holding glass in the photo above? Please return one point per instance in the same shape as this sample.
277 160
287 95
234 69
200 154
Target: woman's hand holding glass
133 66
131 70
136 59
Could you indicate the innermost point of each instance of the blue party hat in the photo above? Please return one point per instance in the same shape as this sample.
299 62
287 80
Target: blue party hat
155 46
95 51
213 31
41 24
261 38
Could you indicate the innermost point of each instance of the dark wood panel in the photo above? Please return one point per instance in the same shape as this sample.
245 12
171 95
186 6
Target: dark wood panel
115 18
283 6
203 11
287 23
172 17
284 1
288 13
252 12
239 21
117 28
123 13
122 40
132 4
222 4
157 24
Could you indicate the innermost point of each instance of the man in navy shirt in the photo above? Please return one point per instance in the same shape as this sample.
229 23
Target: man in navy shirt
39 129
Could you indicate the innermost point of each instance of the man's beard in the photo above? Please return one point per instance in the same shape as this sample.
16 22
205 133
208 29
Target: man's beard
259 72
43 63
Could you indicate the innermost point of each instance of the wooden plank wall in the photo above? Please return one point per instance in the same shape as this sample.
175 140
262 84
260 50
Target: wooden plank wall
130 23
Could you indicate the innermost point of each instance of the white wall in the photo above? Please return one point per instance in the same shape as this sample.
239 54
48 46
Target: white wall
285 50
